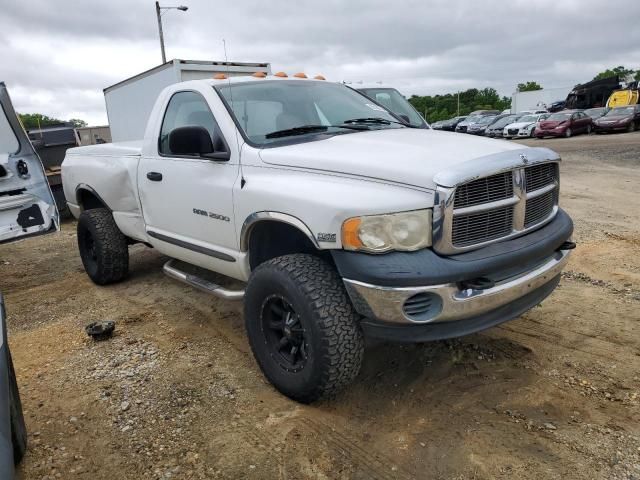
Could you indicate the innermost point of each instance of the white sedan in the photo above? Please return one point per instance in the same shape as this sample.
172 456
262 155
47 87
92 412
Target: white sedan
524 127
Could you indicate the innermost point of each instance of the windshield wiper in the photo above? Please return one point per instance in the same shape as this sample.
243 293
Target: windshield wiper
310 129
376 121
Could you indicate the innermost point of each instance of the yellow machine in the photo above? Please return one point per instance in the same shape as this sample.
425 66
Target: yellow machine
621 98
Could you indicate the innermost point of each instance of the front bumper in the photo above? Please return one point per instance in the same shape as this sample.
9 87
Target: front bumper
455 301
418 296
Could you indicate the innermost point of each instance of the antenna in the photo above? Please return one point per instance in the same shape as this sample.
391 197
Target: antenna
226 62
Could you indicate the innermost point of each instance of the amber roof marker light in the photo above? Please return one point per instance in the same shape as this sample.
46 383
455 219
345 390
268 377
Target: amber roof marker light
319 77
301 75
281 75
259 75
219 76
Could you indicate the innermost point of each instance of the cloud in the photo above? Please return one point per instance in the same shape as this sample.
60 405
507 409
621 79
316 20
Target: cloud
58 56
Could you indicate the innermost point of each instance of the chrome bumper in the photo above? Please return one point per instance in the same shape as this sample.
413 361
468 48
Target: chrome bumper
387 303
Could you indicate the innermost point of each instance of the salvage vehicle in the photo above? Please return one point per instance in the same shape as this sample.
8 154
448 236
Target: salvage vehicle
451 124
564 124
395 102
474 117
524 127
495 129
597 112
27 208
626 119
342 221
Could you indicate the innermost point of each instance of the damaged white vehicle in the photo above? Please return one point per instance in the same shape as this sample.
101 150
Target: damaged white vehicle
27 208
341 220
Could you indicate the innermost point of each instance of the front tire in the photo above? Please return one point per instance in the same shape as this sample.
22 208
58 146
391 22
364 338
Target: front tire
303 330
568 133
103 247
18 428
589 130
632 127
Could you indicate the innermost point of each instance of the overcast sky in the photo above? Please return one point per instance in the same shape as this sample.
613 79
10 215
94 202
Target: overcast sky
57 56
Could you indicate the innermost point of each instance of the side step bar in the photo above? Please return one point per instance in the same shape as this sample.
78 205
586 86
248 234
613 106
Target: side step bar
201 283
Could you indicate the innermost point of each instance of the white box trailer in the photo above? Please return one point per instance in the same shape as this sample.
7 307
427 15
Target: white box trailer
535 99
130 101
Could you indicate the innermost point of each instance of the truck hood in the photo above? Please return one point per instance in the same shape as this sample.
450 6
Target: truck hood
405 155
27 206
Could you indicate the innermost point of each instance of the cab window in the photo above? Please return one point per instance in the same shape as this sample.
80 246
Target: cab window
189 109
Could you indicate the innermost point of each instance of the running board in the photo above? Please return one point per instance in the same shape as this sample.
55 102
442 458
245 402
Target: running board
201 283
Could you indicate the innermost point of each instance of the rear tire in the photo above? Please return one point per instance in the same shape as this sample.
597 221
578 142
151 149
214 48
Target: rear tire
18 427
303 330
103 247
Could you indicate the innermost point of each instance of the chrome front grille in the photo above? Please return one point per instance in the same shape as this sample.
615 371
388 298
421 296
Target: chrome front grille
479 227
483 190
496 207
539 176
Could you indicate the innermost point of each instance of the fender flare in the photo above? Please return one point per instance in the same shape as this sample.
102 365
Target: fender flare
255 218
84 186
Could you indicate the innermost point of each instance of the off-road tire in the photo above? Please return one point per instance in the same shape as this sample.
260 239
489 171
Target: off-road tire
334 339
18 428
107 261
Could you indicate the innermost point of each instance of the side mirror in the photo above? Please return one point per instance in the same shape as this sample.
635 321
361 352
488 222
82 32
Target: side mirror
190 141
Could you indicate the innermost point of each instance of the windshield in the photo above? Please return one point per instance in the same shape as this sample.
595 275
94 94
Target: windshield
506 121
592 112
264 107
620 112
559 116
391 99
528 118
486 120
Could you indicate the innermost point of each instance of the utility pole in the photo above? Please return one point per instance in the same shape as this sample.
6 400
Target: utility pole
164 57
458 99
159 9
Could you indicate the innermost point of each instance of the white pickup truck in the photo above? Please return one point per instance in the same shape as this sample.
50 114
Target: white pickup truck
342 220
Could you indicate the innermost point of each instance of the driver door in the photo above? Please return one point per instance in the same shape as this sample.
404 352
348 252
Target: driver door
187 200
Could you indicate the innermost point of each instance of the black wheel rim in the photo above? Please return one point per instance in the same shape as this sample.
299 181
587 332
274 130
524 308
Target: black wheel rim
284 334
90 253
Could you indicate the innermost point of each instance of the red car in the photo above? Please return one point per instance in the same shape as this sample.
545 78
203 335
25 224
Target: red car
564 124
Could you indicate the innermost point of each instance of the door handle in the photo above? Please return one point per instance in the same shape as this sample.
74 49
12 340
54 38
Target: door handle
154 176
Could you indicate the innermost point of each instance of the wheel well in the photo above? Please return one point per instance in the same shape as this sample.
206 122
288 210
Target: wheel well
89 200
271 239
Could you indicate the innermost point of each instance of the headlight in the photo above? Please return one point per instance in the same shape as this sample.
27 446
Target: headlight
407 231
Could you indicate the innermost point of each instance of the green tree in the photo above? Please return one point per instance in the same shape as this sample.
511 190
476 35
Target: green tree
528 87
37 120
443 107
619 71
77 122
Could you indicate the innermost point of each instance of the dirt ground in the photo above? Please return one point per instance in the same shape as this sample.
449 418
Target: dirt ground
176 392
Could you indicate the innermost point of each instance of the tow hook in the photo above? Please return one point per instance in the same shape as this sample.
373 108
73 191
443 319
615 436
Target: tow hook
479 283
567 246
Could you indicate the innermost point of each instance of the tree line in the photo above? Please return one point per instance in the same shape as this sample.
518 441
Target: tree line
38 120
443 107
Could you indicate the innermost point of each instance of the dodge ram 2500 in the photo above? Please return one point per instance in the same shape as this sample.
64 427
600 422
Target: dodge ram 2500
341 220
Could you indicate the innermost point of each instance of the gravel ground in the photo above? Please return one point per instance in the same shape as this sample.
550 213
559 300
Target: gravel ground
176 392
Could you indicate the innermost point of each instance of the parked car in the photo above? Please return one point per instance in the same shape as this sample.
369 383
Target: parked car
451 124
341 220
495 129
523 127
27 208
619 119
480 126
437 125
556 106
597 112
396 103
564 124
473 117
